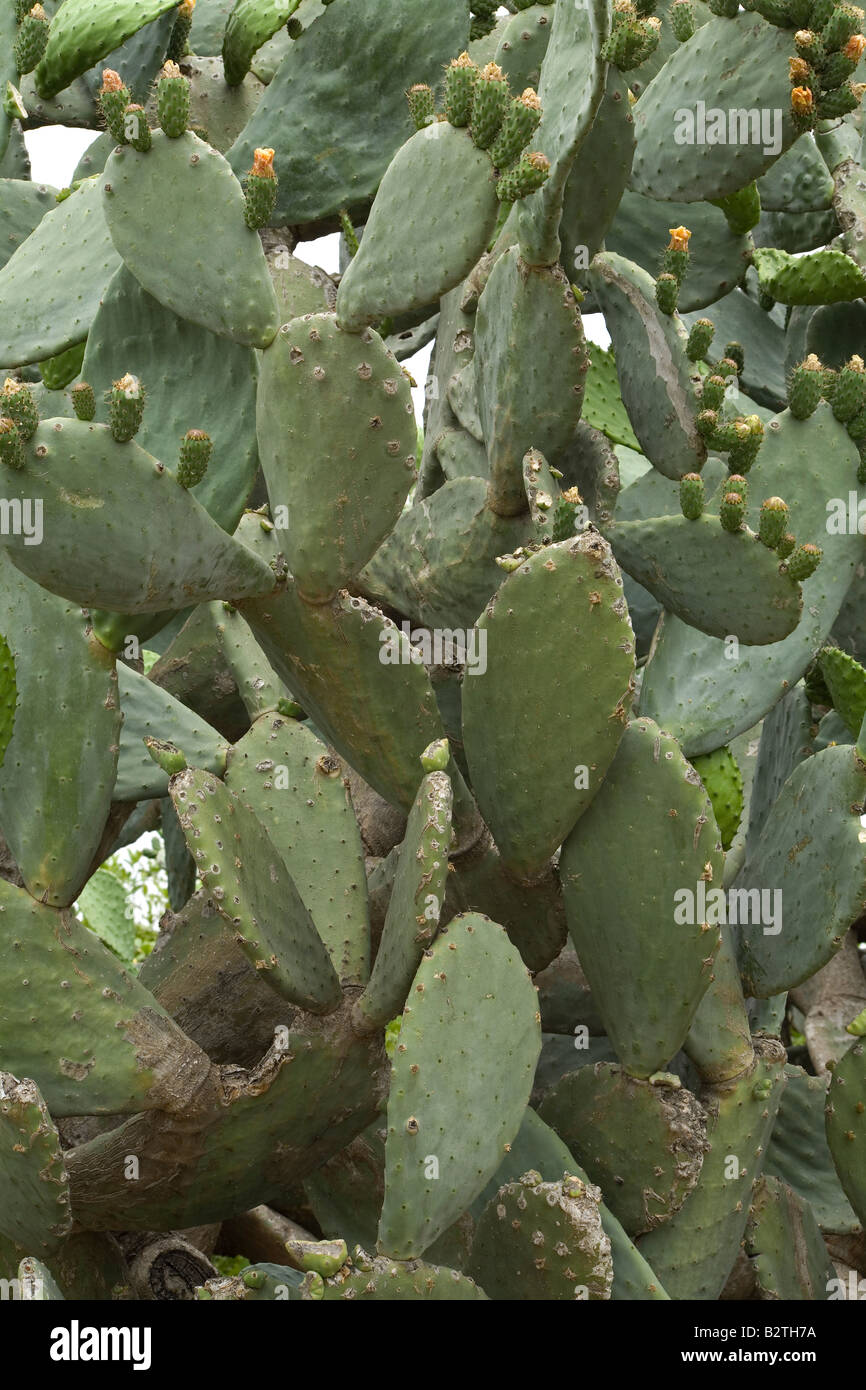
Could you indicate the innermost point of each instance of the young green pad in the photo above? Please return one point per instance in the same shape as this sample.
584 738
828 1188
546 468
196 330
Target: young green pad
295 787
846 682
827 276
337 440
809 861
91 1037
119 532
151 712
53 807
281 940
340 90
719 582
846 1106
460 1080
103 905
530 368
691 685
543 1240
785 1244
83 31
652 915
250 24
176 217
414 248
51 287
735 67
643 1143
693 1253
653 370
416 902
577 585
194 380
36 1211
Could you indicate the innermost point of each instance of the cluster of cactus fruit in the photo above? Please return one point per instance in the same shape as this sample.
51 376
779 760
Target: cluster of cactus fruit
401 706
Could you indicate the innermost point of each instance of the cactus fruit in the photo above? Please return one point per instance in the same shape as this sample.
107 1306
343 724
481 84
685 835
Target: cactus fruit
508 766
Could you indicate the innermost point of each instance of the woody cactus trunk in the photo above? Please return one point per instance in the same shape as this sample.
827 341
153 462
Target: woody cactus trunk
511 776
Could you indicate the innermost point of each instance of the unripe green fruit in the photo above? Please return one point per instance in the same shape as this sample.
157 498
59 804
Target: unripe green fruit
726 9
819 13
667 293
18 403
114 97
195 451
700 338
83 401
849 397
137 130
490 99
750 434
521 121
125 407
774 519
682 17
727 367
460 78
172 101
179 41
804 562
857 427
692 496
707 423
840 101
805 388
31 40
734 353
523 178
713 392
786 545
732 511
260 190
844 22
422 105
11 444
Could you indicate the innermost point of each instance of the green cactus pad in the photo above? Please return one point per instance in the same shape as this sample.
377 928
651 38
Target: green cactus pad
723 783
821 277
341 403
288 948
24 205
785 1244
603 163
148 543
691 686
522 45
602 402
846 1105
83 31
250 24
577 585
399 1281
438 169
53 809
729 65
50 288
288 778
36 1211
651 364
230 291
194 380
798 1152
335 160
543 1240
810 855
846 682
694 1252
149 712
646 1016
416 902
642 1143
717 257
458 1087
717 581
8 697
92 1038
530 367
103 905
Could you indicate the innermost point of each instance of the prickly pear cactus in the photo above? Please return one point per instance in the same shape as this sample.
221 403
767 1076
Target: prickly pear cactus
510 760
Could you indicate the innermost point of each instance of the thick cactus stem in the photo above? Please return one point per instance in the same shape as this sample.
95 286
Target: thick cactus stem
489 105
195 451
692 496
804 561
422 105
125 407
114 97
699 340
172 100
523 178
11 444
774 520
460 78
806 387
521 121
260 190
